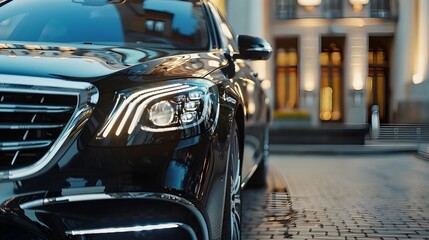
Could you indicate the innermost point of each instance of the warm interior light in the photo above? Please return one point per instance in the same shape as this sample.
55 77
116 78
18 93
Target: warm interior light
421 58
281 87
293 90
380 57
309 3
363 2
326 103
286 58
370 57
336 58
358 83
309 85
324 58
358 4
293 57
357 7
417 78
281 59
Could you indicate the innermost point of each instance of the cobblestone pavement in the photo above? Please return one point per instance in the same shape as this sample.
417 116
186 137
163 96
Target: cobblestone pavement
341 197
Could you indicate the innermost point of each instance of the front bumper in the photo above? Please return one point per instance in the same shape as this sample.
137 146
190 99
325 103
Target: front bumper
140 192
137 215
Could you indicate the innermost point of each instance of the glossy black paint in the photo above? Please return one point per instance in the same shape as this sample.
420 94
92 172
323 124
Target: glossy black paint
191 169
253 48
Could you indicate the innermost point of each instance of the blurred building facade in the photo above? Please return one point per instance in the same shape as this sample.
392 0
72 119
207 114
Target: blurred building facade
335 59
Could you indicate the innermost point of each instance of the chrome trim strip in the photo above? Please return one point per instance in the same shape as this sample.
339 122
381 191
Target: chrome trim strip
14 83
27 108
131 195
32 204
23 145
142 228
15 126
86 94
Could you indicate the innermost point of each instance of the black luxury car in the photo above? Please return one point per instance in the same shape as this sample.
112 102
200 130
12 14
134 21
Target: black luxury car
127 119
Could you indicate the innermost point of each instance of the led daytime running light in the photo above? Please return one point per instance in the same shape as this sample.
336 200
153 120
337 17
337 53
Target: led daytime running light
120 107
173 106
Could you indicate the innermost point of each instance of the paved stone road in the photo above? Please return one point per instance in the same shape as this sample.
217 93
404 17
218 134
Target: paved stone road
342 197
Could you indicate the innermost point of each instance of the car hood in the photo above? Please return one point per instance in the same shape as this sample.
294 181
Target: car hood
90 63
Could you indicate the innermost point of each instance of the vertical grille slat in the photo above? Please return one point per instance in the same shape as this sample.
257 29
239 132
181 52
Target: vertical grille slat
38 117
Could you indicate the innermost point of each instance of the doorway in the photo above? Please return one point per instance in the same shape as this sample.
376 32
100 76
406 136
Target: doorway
377 86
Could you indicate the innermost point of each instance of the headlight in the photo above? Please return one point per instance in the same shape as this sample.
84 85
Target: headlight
161 112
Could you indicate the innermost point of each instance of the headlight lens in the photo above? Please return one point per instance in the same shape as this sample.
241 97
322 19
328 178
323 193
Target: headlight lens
161 112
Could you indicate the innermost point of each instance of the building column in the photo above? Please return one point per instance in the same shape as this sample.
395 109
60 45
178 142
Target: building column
420 87
404 51
356 74
309 74
424 39
418 102
411 67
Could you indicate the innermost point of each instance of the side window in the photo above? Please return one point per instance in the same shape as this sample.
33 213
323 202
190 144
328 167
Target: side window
227 34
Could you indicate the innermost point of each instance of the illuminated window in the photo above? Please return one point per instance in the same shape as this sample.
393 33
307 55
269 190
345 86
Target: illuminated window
332 8
285 9
380 8
287 86
331 65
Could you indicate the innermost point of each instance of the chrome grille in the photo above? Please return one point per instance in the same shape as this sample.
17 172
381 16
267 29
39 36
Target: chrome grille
30 123
38 116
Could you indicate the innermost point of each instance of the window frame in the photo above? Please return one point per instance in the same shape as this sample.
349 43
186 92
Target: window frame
291 7
331 68
287 70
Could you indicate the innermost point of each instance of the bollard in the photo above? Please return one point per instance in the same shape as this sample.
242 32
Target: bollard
375 122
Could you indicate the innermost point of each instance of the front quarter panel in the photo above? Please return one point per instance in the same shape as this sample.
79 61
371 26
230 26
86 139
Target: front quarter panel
193 169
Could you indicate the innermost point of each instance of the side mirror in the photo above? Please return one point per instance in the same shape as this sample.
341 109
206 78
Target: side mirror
253 48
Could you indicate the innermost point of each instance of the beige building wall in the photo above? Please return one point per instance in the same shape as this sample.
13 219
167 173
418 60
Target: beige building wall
415 106
405 50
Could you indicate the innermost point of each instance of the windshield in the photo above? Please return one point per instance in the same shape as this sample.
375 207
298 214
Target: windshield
164 23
